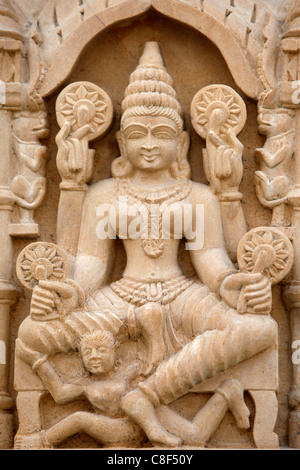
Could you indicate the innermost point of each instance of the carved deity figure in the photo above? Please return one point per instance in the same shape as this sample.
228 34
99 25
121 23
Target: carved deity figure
273 181
184 330
29 186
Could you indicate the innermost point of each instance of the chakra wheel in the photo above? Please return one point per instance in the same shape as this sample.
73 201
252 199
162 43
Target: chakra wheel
41 261
266 250
231 107
83 103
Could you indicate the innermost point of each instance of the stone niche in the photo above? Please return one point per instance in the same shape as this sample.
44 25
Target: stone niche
193 62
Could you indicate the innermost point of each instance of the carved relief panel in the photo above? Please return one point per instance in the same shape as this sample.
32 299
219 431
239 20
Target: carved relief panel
152 305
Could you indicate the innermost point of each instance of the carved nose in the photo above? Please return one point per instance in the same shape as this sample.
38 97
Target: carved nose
149 145
95 353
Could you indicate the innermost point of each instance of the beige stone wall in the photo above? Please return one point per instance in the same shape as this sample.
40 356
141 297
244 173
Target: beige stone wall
193 62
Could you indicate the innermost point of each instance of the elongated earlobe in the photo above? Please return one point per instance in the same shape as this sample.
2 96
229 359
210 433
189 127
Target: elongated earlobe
121 166
121 143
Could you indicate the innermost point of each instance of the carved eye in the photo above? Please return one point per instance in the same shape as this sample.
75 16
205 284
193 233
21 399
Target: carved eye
163 135
134 135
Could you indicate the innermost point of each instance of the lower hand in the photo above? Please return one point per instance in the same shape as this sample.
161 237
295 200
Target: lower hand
52 299
254 290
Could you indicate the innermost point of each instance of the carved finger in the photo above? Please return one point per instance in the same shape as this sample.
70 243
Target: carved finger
36 312
81 132
38 291
263 308
41 307
215 139
236 281
90 165
219 162
257 286
79 155
260 301
43 301
63 289
234 142
71 156
227 163
63 134
206 165
257 293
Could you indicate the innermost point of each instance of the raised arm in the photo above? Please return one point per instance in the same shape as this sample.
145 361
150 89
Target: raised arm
211 262
61 391
75 164
95 254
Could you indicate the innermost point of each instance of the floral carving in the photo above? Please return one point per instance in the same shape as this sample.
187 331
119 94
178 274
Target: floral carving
266 250
223 98
85 104
41 261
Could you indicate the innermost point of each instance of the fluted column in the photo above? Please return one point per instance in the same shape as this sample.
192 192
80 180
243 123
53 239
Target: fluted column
7 290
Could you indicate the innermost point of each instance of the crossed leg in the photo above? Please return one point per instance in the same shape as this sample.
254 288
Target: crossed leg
229 396
237 339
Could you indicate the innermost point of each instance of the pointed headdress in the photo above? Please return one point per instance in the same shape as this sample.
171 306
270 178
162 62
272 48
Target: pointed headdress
150 93
150 90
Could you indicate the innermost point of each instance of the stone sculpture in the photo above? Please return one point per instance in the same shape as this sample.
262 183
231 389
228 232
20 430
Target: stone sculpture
150 337
113 308
29 186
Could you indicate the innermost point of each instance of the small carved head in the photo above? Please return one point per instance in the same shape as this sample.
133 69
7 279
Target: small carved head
28 126
151 137
272 122
98 352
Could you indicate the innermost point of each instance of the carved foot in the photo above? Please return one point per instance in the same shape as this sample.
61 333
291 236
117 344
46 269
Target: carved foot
34 441
232 391
266 408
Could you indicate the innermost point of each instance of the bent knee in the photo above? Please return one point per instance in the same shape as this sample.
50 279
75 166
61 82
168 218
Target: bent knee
128 401
262 329
269 330
32 333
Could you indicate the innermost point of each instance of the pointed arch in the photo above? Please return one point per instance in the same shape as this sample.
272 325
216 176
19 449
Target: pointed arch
186 13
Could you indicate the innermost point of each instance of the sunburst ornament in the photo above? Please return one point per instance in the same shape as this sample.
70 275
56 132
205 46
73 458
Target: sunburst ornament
266 250
223 98
41 261
83 103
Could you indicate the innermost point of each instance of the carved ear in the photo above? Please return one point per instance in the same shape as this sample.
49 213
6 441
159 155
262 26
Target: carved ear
121 167
185 145
121 143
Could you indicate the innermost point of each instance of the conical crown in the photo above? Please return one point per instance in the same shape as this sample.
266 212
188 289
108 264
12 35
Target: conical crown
150 90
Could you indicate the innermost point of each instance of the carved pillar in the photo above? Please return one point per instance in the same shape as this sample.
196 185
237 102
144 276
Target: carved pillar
11 45
289 96
18 100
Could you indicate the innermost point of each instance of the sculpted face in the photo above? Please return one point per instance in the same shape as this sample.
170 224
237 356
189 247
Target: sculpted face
98 358
150 142
272 122
31 127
